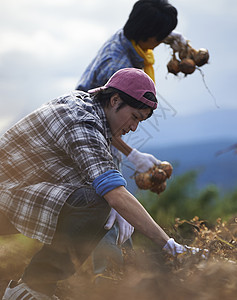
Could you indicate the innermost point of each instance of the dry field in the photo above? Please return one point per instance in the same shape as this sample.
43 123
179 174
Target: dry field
146 273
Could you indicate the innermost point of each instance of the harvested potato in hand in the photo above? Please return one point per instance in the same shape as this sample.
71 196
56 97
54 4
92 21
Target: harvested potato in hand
155 178
167 167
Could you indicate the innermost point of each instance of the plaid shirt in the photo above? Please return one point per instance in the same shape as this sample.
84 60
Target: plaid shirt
46 156
117 53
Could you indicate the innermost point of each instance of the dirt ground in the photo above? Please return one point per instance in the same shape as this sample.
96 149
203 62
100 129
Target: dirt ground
146 274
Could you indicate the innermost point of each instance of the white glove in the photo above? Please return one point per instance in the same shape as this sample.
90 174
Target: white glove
177 39
142 161
174 248
125 229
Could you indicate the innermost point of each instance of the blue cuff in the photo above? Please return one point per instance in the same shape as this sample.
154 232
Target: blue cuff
108 181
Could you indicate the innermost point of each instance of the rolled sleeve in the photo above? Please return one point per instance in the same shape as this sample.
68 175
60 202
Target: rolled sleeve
108 181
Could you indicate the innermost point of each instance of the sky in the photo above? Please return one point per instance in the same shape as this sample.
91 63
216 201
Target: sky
46 45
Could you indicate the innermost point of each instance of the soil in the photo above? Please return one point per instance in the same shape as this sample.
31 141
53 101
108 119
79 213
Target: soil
146 273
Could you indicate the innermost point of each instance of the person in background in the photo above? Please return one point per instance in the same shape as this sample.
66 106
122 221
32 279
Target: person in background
149 24
59 181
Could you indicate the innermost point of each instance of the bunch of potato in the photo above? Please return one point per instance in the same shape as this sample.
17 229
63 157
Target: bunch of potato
188 57
155 178
187 64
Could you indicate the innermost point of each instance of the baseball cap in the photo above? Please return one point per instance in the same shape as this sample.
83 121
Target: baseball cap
134 82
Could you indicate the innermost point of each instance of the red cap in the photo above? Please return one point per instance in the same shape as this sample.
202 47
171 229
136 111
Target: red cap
133 82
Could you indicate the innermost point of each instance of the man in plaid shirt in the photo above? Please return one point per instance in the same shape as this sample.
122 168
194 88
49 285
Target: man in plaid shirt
58 181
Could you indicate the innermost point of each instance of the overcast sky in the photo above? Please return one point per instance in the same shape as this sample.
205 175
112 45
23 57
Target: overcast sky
45 46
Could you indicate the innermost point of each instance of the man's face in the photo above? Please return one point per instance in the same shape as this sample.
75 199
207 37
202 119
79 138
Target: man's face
126 118
150 43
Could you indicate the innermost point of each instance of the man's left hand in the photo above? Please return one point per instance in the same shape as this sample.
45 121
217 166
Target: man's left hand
176 40
174 248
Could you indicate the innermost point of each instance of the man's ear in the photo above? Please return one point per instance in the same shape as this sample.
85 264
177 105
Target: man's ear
114 99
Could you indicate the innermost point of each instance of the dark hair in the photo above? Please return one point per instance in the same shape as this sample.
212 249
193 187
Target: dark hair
150 18
104 98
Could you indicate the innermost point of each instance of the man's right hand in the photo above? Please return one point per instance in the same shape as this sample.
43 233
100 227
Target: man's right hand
125 229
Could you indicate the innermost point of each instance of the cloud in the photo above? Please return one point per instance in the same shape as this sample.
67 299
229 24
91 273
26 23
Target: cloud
47 44
5 121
